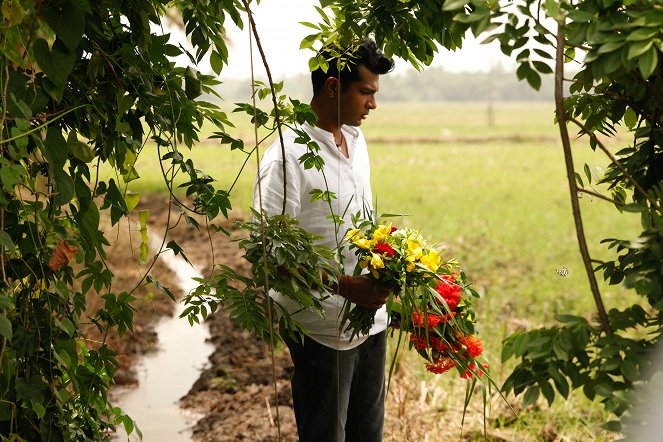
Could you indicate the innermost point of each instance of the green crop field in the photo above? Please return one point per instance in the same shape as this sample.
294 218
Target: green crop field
497 196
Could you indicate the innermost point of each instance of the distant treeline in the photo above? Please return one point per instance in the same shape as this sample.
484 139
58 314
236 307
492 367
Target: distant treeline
433 84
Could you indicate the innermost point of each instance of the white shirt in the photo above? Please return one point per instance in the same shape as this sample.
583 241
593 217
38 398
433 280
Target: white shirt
349 179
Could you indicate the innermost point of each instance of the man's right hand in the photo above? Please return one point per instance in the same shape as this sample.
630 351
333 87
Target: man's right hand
362 290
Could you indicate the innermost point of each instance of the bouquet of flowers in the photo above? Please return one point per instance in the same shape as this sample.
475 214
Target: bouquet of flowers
430 301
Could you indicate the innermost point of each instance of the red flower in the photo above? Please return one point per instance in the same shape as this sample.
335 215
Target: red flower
385 249
473 370
473 345
449 290
419 319
393 229
420 343
440 365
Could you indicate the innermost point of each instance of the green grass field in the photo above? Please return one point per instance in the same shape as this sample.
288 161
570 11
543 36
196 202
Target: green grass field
501 206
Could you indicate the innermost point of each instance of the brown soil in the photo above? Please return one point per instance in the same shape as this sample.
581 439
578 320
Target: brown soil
236 393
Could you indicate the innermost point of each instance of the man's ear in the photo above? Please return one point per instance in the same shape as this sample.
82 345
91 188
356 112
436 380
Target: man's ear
332 86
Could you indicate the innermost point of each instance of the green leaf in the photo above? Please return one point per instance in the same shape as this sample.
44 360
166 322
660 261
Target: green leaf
569 54
542 67
471 18
192 84
23 110
5 327
80 150
308 41
630 370
571 319
579 15
31 391
634 208
579 180
648 62
12 12
630 117
453 5
177 250
66 20
131 199
638 48
57 63
642 34
63 358
10 175
552 6
547 391
5 302
39 409
216 62
610 46
531 395
128 424
560 381
143 216
66 325
87 217
534 79
313 63
507 350
55 151
588 173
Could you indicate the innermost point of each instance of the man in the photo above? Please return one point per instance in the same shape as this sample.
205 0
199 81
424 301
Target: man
338 383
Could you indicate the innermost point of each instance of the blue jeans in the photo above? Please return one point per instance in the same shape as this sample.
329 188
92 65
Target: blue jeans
338 396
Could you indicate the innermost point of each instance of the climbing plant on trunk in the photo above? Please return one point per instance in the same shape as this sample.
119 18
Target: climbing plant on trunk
86 84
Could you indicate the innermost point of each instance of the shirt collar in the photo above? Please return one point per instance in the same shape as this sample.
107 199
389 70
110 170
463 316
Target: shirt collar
324 135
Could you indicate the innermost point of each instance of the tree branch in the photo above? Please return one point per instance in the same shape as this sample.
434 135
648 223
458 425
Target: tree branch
570 175
600 196
271 87
619 165
252 28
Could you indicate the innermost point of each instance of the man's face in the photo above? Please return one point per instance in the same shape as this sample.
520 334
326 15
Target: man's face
359 98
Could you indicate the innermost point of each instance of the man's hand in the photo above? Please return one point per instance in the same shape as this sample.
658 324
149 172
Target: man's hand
362 290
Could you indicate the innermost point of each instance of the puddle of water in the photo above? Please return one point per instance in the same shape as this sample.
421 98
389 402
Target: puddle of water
166 375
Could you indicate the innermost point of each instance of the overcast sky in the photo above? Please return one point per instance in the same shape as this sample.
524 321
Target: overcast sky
280 33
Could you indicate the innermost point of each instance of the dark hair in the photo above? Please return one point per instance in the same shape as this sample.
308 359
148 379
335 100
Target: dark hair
367 54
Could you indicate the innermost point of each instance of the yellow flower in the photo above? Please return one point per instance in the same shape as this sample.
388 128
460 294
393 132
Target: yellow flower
351 233
376 261
410 264
382 233
414 250
363 243
431 260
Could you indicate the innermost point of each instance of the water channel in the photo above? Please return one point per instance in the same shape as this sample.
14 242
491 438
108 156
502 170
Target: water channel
166 375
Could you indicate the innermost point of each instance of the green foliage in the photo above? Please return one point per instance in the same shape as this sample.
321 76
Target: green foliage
411 30
283 257
620 83
86 84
